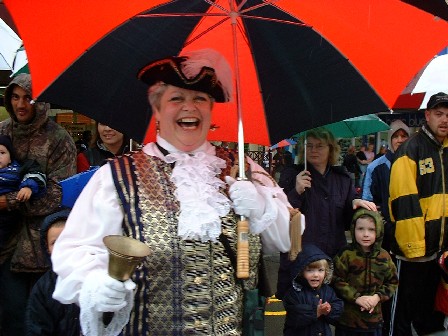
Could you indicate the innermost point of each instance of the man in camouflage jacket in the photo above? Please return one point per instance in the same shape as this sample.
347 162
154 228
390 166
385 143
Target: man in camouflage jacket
34 136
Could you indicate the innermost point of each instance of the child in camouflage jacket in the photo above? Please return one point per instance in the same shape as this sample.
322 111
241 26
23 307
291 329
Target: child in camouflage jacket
364 276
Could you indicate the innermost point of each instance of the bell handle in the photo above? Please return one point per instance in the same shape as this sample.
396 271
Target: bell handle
242 249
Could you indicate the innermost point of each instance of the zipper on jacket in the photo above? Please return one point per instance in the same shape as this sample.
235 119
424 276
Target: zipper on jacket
442 223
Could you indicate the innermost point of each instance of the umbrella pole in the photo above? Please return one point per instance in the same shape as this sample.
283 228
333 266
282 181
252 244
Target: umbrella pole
242 255
304 152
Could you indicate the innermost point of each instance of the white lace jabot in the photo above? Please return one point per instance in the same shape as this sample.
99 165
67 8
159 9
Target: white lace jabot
198 187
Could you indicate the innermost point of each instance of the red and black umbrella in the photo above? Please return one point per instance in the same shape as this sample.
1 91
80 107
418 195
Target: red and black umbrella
301 63
438 8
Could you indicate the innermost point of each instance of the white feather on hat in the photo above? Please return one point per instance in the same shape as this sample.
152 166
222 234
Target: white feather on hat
213 59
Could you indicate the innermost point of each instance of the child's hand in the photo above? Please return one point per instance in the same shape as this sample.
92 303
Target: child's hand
368 302
24 194
323 308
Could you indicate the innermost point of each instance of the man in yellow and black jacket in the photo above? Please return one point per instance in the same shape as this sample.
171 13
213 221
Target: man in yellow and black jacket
418 209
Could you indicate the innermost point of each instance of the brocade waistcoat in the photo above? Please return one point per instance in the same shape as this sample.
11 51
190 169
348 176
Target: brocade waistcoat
184 287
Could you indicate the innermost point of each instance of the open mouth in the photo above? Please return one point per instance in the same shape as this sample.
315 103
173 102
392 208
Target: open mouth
188 122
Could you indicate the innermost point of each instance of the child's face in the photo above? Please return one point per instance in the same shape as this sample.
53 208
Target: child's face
5 157
314 276
53 234
365 233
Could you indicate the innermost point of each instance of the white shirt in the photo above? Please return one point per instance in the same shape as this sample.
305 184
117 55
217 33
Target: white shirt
98 213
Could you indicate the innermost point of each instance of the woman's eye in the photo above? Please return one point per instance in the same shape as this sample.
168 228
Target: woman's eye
176 99
200 99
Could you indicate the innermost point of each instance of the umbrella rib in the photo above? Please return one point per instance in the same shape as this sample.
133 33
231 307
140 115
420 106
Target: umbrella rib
216 6
205 31
275 20
265 3
225 14
150 15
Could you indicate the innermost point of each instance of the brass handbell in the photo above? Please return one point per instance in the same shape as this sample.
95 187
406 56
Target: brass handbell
125 254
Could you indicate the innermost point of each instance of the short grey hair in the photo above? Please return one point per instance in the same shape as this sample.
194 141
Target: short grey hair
156 91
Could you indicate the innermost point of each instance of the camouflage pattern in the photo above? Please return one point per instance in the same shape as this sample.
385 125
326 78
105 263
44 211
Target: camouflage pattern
357 273
54 149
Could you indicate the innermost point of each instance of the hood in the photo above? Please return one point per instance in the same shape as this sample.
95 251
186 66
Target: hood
378 225
24 81
309 254
395 126
47 222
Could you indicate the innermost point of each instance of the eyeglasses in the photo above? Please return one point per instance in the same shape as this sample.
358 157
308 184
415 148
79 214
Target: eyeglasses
317 147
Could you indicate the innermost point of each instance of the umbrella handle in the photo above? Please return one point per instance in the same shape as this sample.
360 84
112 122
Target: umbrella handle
242 246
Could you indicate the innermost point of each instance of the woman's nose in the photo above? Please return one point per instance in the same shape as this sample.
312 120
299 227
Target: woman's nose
189 105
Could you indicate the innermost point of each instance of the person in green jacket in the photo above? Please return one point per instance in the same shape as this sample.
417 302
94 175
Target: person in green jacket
364 276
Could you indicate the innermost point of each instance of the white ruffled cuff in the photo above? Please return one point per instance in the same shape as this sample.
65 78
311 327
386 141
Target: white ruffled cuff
91 320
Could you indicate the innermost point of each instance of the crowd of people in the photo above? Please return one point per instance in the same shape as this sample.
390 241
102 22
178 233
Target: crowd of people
187 201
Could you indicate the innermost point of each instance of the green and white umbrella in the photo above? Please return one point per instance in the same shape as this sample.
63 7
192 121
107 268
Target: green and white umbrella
355 127
10 43
12 54
20 64
351 128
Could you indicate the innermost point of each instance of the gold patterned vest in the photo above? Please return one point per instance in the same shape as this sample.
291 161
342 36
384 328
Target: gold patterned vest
184 287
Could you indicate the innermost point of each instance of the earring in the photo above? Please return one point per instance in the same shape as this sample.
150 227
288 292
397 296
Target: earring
158 127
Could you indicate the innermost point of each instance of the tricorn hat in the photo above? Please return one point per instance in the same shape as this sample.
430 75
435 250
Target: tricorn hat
203 70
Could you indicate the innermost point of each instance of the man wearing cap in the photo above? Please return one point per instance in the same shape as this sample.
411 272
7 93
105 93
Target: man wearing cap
418 213
34 136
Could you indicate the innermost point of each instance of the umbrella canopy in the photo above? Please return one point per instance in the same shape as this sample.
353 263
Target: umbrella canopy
11 42
355 127
430 80
438 8
20 64
284 143
300 64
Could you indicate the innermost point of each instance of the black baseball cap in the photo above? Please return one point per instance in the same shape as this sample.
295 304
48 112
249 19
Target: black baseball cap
436 99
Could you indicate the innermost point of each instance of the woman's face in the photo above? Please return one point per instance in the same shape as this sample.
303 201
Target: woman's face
184 117
317 151
109 136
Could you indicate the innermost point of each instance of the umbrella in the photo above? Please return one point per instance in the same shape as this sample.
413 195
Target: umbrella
438 8
300 64
357 126
20 64
354 127
430 80
11 42
284 143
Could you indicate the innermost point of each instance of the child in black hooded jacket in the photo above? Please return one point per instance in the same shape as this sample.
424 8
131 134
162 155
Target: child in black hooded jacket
45 315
